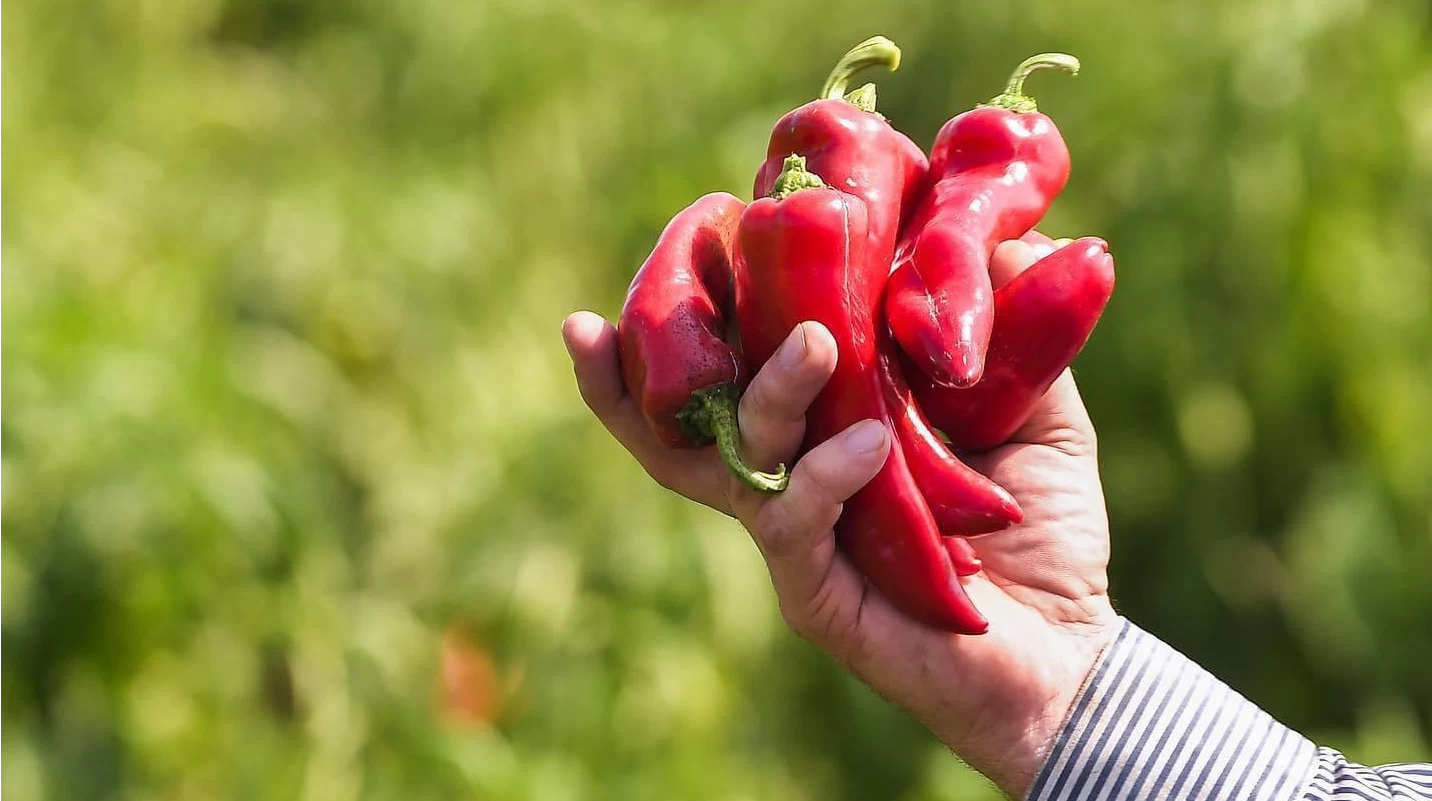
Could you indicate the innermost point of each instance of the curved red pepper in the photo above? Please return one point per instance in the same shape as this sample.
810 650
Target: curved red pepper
962 500
804 254
857 151
672 334
995 170
1043 317
962 555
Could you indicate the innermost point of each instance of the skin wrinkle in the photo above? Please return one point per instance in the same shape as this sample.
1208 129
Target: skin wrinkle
832 623
817 615
997 751
855 652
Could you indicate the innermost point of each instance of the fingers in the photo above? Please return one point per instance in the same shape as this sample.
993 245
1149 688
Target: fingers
1014 256
794 529
592 343
1040 242
772 413
1059 418
1011 258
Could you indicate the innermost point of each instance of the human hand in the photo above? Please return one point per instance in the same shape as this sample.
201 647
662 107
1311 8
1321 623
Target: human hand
997 700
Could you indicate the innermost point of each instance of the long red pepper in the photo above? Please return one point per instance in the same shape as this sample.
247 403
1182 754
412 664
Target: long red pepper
672 331
962 500
994 169
804 254
1043 317
850 146
857 151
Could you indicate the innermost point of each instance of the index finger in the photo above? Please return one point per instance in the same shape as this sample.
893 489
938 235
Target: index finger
592 343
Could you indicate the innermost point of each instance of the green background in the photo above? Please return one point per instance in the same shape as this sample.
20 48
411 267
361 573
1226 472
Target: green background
284 395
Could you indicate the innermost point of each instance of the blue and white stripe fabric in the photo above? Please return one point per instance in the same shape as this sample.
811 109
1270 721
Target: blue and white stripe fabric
1151 724
1340 780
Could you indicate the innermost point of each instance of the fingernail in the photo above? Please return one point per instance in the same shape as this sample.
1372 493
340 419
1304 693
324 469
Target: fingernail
866 437
793 350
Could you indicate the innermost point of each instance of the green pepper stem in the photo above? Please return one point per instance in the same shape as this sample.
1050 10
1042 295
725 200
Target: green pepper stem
712 414
1013 98
877 51
862 98
795 177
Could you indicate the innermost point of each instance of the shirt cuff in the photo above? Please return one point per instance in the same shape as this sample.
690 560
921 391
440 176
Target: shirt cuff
1152 724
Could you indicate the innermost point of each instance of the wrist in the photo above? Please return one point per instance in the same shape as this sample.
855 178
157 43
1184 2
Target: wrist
1013 727
1150 723
1066 683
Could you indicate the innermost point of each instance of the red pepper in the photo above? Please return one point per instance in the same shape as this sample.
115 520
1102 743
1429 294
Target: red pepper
1042 319
962 556
804 254
850 146
962 500
995 170
675 360
857 151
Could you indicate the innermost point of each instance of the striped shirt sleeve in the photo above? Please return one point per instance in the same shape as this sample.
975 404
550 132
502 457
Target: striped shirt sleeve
1151 724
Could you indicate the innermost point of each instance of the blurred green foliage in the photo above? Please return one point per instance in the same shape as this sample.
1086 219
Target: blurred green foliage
285 399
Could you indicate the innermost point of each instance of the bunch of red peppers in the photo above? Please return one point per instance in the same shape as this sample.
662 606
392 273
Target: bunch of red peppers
853 226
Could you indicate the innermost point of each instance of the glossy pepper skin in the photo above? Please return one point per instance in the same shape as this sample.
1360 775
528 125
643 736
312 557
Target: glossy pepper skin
962 500
672 333
857 151
994 170
1043 317
804 255
851 147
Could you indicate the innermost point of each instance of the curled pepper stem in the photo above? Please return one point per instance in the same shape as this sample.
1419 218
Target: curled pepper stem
794 177
1013 98
877 51
712 414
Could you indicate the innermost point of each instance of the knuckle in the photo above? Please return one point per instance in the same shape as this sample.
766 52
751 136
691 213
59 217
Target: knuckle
757 404
778 531
799 622
826 621
827 516
783 526
769 401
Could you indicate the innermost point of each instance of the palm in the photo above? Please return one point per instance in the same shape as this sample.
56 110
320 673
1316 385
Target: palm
996 699
1055 560
1043 588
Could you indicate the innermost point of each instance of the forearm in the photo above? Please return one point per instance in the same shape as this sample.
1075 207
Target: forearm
1152 724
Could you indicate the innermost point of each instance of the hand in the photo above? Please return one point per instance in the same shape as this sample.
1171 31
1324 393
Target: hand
997 700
